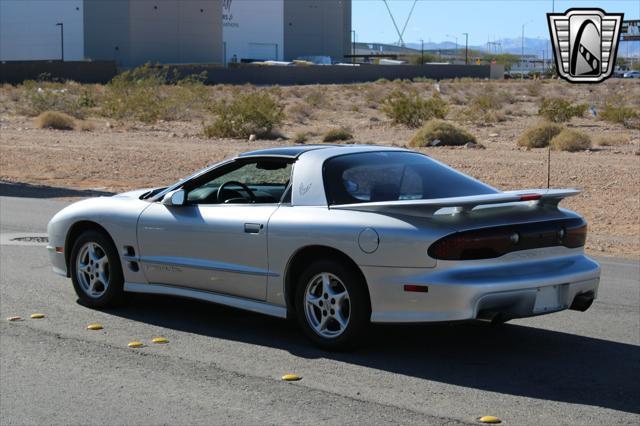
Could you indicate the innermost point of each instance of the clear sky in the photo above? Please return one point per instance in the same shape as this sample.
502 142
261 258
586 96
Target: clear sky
432 20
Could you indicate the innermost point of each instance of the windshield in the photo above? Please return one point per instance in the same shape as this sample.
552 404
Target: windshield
392 176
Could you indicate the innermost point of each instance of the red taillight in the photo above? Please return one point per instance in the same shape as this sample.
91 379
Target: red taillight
416 288
530 197
494 242
59 249
575 236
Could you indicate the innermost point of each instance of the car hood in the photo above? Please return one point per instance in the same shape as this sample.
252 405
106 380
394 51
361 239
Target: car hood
136 193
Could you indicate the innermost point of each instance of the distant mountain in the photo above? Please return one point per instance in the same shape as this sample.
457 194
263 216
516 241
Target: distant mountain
532 46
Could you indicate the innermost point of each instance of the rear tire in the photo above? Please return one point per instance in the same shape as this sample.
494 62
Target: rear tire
332 305
96 271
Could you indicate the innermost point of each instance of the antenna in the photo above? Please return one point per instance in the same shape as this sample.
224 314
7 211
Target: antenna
548 166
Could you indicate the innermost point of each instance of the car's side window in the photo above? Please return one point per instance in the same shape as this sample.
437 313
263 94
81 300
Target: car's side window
256 182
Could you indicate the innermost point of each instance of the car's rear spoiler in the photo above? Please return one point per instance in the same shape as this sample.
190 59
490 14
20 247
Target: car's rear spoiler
545 197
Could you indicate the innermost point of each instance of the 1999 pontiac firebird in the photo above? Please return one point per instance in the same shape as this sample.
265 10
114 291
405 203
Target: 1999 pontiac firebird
335 236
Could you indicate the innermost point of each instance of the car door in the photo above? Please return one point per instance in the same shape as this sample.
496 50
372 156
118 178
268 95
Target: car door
210 244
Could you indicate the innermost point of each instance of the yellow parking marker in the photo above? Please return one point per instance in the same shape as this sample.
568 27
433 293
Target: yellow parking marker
37 316
95 326
291 378
135 344
14 318
160 340
489 419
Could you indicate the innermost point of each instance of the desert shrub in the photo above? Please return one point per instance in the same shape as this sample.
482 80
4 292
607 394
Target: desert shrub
252 113
611 140
301 137
539 136
534 88
317 98
411 110
300 112
559 110
339 134
486 100
150 93
55 120
86 126
38 97
570 140
477 115
622 114
439 130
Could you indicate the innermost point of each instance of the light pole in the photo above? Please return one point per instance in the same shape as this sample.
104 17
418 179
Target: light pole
353 47
421 52
522 52
466 48
61 25
456 38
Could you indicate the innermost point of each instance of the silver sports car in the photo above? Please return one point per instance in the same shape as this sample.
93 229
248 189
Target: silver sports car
337 237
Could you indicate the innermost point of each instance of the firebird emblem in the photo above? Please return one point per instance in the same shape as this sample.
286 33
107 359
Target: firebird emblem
304 188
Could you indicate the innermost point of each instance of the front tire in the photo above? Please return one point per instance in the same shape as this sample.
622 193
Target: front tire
96 272
332 305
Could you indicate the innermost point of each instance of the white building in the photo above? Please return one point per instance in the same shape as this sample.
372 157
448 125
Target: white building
28 30
132 32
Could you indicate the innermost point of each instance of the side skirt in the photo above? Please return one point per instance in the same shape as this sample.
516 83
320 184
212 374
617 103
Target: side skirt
235 302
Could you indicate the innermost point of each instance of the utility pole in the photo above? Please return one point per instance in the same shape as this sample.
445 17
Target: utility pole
522 52
353 47
421 52
466 48
61 25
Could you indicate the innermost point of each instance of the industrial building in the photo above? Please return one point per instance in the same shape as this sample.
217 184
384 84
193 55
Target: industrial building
132 32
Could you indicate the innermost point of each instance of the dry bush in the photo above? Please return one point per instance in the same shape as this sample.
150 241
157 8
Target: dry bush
55 120
534 88
571 140
38 97
539 136
300 112
301 137
339 134
615 111
411 110
246 114
445 133
559 110
611 140
86 126
150 93
317 98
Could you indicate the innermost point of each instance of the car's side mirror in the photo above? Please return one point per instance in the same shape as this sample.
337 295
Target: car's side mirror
174 198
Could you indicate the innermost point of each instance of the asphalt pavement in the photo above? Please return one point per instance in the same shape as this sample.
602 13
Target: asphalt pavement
223 365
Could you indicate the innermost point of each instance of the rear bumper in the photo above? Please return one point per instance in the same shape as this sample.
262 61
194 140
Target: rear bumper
505 288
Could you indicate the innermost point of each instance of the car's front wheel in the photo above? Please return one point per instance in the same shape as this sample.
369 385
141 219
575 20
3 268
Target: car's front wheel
332 305
95 270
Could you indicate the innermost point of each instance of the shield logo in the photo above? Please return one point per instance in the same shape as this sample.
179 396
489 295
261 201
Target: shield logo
585 43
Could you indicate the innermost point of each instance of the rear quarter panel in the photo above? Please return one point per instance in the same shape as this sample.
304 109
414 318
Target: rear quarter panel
403 241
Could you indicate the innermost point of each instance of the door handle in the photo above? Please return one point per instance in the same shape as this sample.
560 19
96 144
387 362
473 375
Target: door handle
253 228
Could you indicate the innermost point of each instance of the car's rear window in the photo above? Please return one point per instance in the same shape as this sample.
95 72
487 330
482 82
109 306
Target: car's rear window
392 176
